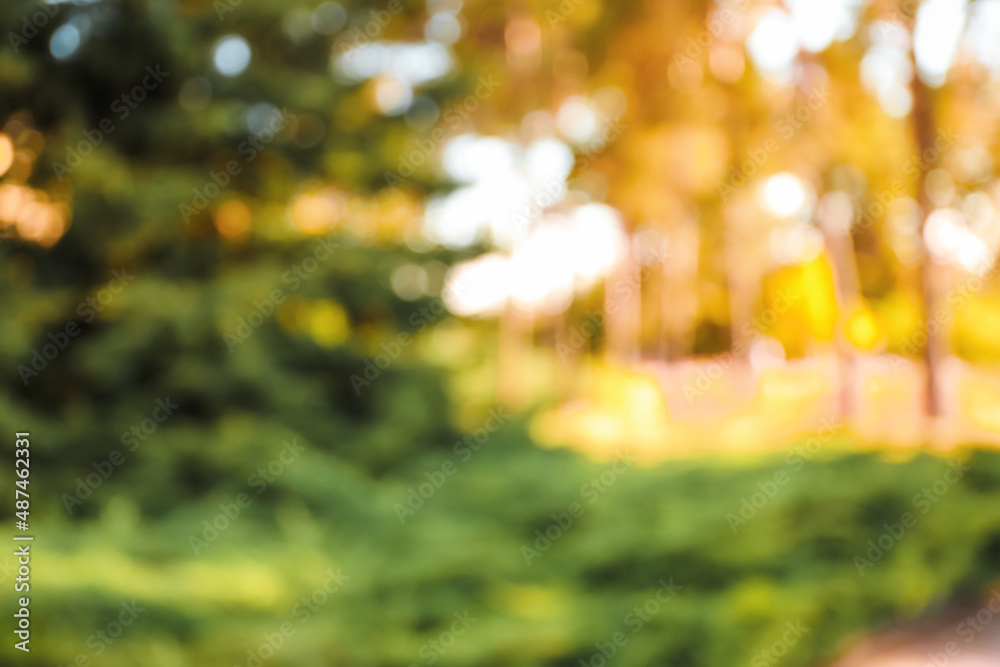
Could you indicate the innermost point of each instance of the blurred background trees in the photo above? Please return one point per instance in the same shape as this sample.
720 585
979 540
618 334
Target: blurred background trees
685 227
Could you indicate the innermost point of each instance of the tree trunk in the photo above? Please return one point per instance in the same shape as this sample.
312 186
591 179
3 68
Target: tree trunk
930 275
514 346
679 291
623 310
839 244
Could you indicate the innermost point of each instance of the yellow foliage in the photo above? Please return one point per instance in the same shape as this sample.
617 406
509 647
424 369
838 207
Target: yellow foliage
863 329
328 323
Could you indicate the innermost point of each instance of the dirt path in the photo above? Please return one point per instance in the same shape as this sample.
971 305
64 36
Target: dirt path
967 637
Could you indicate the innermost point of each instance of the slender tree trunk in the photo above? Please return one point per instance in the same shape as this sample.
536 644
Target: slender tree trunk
848 293
930 275
568 349
514 344
679 291
744 274
623 311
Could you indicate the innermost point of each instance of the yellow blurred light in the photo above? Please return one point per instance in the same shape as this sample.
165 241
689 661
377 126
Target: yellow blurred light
328 323
232 219
820 299
451 339
12 197
726 62
778 385
523 37
535 602
32 221
752 596
392 95
6 153
980 400
645 399
863 329
316 213
42 223
398 216
695 156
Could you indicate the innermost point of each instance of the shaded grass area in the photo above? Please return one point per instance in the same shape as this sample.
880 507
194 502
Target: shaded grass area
542 554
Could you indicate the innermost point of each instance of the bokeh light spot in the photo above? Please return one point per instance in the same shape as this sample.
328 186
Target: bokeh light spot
231 55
